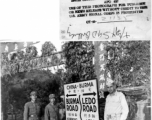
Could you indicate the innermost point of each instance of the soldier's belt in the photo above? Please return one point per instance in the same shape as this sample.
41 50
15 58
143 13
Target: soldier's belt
113 116
33 116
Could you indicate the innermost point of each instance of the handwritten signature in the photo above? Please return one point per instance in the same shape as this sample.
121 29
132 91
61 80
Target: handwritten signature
116 33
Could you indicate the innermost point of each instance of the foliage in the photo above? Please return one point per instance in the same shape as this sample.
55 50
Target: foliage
131 62
4 57
17 98
10 62
4 64
130 66
13 57
20 55
39 75
20 61
6 83
47 49
31 52
78 57
16 88
62 74
132 108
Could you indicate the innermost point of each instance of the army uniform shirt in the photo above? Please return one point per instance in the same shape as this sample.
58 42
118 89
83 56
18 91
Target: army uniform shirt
51 112
31 111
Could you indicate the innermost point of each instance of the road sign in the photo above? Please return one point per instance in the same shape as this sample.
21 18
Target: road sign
81 100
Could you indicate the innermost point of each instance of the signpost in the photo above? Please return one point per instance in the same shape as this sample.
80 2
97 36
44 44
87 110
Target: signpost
81 100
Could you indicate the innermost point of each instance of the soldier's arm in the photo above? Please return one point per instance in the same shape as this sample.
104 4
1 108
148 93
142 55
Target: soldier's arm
25 112
105 110
46 115
58 114
39 112
125 108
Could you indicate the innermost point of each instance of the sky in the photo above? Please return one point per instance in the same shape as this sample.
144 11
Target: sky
30 20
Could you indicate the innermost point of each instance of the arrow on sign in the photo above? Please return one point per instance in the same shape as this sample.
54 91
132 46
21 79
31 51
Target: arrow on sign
90 94
71 95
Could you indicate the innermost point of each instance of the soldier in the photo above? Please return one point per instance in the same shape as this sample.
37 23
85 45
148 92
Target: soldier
116 107
32 109
51 110
62 108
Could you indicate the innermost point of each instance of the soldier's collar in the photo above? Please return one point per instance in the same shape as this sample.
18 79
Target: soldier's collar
51 104
33 101
115 93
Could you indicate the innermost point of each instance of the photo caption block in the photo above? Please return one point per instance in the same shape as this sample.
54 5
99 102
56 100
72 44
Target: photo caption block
105 20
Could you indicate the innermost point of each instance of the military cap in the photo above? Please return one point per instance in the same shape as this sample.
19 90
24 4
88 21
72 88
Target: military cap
52 96
33 93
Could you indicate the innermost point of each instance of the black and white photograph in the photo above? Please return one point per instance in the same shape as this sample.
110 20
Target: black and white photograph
107 80
75 60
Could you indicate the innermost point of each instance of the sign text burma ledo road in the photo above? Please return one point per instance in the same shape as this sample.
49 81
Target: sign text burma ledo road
81 101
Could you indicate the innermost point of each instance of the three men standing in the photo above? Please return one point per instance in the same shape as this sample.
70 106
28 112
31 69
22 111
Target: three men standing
116 107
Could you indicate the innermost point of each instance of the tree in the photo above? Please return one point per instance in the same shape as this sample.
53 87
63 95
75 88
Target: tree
31 52
129 65
4 57
20 55
61 73
5 64
79 60
131 62
47 49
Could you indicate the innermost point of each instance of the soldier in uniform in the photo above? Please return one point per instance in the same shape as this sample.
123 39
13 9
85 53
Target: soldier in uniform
32 109
62 115
51 110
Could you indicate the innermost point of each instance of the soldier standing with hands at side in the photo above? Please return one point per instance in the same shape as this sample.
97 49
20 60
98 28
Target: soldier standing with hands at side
32 109
51 110
116 107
